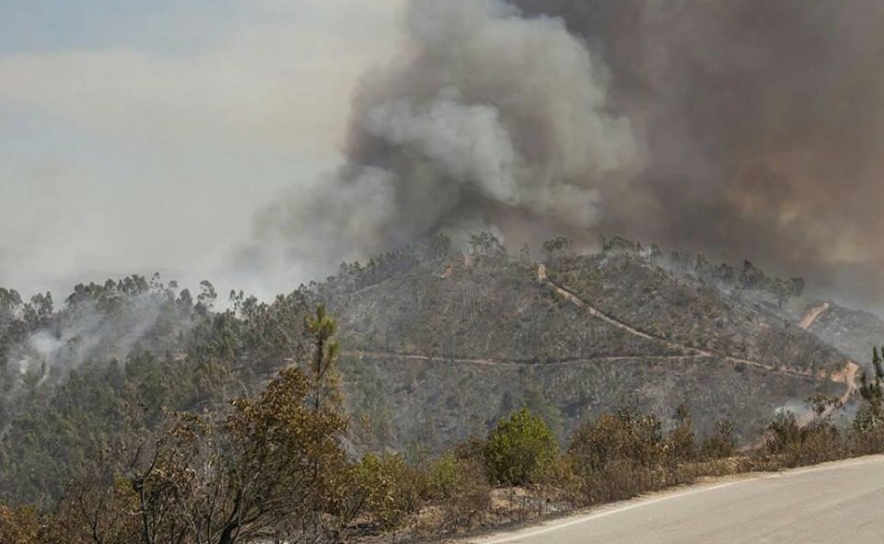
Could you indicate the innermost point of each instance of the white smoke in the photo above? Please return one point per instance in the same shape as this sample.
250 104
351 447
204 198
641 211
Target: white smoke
89 333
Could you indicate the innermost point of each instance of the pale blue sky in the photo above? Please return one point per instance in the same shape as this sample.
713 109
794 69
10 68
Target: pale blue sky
141 135
45 25
172 25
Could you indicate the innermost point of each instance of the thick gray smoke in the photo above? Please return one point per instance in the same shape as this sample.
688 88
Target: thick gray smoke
747 128
762 122
488 119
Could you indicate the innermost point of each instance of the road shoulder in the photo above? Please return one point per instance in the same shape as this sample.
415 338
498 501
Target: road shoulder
706 485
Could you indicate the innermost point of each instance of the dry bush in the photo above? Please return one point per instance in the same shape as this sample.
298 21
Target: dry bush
393 489
618 456
19 526
795 445
720 445
459 486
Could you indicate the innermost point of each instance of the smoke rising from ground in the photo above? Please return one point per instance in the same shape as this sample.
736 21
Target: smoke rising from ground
747 129
41 346
486 119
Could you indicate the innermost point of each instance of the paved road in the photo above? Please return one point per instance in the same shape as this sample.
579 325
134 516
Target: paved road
833 504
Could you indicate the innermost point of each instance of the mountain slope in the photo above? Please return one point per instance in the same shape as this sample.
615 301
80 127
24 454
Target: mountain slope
438 353
437 345
853 332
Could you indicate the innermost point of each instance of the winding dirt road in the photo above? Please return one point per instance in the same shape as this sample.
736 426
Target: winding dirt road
813 315
851 370
542 277
846 376
499 362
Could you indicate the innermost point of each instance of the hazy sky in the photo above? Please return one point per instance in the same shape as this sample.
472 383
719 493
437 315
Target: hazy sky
142 135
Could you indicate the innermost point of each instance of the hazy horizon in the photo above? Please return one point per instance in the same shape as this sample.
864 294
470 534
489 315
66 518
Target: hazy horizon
139 137
260 144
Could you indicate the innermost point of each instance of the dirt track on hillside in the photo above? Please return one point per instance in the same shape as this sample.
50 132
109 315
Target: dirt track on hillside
846 376
499 362
813 315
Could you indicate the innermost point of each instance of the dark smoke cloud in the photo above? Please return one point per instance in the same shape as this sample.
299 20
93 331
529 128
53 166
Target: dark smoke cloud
762 122
747 128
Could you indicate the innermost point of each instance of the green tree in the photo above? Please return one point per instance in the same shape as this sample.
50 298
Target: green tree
487 245
325 391
39 310
10 305
870 414
535 400
519 449
872 391
782 290
783 432
207 297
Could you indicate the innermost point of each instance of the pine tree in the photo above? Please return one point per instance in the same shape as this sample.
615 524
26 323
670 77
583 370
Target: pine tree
322 328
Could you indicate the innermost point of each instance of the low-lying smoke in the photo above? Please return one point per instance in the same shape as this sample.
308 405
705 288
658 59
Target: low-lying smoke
749 129
96 325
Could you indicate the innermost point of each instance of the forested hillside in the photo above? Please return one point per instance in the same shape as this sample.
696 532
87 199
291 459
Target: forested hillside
436 345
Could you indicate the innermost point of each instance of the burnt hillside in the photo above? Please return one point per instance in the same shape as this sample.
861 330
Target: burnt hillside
436 353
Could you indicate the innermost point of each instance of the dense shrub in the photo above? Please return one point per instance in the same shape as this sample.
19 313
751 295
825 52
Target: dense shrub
798 444
519 449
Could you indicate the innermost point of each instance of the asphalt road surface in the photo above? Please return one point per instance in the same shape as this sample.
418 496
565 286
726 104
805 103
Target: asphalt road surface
839 503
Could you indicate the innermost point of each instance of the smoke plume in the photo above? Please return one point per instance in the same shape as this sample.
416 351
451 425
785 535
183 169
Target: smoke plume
486 119
747 129
762 126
